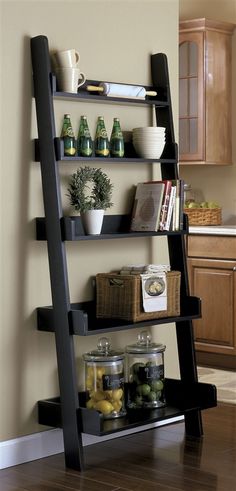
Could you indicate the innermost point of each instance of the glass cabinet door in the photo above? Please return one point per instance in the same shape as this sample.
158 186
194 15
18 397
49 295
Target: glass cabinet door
191 121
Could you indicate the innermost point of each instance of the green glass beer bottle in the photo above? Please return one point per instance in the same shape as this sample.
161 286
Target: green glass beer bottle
84 141
68 137
101 139
117 140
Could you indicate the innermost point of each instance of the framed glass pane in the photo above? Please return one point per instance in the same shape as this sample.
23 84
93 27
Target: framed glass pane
193 97
193 59
193 135
184 136
183 59
183 97
188 98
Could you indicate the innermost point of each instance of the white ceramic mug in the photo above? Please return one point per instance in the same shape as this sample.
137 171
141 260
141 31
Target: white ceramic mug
68 58
70 79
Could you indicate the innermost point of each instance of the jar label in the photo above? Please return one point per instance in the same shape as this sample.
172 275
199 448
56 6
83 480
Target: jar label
112 381
153 372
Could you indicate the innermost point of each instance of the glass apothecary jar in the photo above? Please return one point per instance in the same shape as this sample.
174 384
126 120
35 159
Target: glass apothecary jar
189 196
145 373
104 380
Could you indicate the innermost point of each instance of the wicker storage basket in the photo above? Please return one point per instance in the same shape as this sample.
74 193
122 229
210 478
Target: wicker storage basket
203 216
120 297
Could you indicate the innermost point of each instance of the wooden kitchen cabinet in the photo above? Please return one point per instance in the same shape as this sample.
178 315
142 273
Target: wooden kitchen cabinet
212 277
205 71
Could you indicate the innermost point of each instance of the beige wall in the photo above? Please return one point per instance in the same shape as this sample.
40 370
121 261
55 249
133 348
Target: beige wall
115 39
210 182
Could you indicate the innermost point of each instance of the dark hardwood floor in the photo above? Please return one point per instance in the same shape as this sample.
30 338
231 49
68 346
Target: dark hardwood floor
154 460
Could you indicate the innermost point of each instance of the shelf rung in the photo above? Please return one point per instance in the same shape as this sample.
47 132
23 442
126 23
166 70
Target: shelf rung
114 227
83 321
181 398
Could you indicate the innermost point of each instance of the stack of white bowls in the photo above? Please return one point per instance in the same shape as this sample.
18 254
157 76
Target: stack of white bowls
149 141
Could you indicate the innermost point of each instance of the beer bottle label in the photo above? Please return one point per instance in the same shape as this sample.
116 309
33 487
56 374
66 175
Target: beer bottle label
101 133
86 133
69 132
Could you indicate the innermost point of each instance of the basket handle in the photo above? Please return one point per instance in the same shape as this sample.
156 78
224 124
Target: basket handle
116 282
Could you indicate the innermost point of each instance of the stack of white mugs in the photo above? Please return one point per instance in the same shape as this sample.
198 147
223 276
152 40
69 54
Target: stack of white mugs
69 76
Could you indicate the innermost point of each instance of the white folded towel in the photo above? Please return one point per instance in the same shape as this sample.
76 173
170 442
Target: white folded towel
144 268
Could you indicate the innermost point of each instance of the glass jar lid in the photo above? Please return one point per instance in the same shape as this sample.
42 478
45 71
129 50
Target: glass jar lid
103 352
145 345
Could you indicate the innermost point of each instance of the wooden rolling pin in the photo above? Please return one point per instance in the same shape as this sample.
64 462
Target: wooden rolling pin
121 90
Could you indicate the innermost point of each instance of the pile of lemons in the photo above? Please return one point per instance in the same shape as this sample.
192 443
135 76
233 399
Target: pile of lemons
105 401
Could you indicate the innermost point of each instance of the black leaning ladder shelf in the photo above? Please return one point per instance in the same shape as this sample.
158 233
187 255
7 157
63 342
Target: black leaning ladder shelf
185 396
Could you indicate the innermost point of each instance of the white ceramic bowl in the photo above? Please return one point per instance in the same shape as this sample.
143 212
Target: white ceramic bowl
150 129
154 142
149 151
148 144
148 136
154 139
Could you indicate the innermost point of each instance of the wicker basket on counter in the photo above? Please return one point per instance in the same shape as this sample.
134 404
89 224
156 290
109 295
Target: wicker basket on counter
204 216
120 297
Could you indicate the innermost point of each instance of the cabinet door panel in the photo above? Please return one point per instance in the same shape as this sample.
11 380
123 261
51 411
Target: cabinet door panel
218 98
191 96
205 62
214 282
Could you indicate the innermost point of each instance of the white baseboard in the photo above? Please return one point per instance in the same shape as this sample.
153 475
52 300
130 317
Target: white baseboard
46 443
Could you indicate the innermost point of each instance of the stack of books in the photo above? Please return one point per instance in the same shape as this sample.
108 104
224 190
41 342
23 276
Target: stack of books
158 206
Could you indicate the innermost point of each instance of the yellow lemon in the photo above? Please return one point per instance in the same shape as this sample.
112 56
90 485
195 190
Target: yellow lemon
90 404
97 395
100 373
90 371
117 394
108 394
105 407
89 383
117 406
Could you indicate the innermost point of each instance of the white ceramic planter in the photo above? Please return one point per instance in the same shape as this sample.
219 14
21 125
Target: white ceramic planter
92 221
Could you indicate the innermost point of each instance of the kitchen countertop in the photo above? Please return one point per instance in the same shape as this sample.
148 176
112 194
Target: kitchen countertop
213 230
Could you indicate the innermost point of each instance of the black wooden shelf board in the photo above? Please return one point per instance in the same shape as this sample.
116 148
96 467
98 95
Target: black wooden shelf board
83 320
116 160
130 155
114 227
181 397
84 95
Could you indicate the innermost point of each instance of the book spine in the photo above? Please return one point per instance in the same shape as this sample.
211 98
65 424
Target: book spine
181 205
177 206
165 205
170 208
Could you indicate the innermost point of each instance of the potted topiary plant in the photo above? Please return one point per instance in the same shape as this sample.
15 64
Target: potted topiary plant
90 192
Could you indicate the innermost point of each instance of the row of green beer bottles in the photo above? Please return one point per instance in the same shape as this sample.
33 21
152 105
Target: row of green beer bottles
84 147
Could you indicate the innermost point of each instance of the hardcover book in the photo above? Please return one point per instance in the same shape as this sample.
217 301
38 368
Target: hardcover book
147 206
165 204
